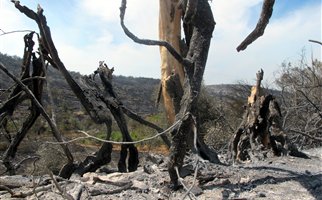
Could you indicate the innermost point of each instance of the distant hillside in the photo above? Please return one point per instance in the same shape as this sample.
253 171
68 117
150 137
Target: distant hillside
138 94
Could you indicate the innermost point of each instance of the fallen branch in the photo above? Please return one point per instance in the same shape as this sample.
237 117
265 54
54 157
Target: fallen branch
33 191
63 193
119 184
96 192
3 187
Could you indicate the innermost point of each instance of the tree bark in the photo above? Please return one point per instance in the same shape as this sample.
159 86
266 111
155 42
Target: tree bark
170 31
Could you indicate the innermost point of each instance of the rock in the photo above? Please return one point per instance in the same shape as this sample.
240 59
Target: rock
261 194
156 159
197 191
140 185
150 169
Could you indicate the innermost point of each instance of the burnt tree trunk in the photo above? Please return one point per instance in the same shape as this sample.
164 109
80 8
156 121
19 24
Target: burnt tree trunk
201 25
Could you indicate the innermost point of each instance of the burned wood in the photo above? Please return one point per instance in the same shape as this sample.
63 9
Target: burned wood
36 103
92 98
95 106
33 91
261 130
266 13
202 28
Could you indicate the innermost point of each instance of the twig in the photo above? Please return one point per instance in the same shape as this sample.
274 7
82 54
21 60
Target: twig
17 31
33 179
191 195
194 180
139 119
313 104
33 78
266 13
3 187
63 193
24 160
165 44
307 135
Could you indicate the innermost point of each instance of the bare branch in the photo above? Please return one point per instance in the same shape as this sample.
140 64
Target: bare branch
315 41
165 44
63 193
17 31
267 11
87 136
307 135
184 185
313 104
139 119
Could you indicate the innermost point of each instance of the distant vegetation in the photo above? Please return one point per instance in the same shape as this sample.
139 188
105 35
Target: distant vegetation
221 106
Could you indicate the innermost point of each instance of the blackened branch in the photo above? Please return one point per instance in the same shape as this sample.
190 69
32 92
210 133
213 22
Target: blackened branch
315 41
267 11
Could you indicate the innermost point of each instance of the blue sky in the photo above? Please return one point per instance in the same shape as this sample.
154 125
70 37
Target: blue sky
87 31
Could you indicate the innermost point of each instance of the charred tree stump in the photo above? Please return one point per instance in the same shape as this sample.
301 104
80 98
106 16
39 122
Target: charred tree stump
260 130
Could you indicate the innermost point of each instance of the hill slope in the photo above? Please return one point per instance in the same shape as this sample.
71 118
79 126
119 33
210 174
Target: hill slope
137 94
